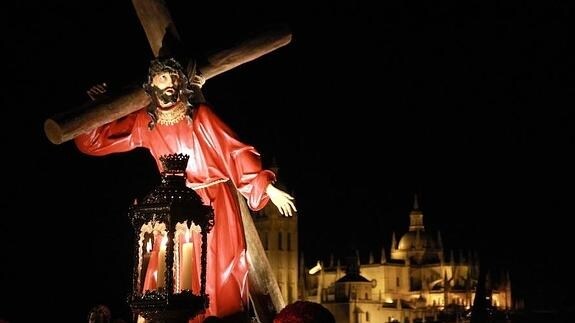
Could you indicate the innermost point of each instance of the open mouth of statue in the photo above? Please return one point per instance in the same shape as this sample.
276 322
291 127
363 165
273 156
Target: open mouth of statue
169 91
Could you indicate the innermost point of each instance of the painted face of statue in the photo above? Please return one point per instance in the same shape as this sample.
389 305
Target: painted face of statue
166 88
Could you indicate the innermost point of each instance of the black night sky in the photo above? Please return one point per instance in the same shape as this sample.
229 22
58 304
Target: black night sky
470 107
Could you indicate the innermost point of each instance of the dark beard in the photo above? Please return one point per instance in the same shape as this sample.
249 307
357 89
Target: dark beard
166 98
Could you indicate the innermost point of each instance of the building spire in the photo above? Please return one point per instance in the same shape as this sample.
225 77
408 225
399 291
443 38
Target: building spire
393 242
416 217
383 259
508 298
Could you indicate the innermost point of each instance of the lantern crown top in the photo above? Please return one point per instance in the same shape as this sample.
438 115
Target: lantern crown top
174 163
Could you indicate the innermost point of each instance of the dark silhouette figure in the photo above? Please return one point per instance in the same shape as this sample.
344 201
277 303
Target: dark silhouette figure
99 314
304 312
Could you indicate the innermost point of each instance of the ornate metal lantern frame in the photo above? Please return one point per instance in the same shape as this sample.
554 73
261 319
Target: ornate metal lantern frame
171 210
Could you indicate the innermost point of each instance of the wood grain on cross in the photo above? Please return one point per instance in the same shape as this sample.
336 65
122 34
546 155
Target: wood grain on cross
162 36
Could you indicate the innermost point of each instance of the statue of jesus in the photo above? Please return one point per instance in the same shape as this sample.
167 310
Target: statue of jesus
219 163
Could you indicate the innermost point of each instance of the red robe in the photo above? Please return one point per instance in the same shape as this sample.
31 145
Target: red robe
215 154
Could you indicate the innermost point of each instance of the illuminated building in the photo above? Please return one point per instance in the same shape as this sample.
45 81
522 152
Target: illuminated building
418 282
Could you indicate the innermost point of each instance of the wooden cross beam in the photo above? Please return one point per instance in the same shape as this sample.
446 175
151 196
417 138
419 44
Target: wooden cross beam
155 18
162 35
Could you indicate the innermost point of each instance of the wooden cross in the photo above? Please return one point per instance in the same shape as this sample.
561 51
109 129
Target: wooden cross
162 35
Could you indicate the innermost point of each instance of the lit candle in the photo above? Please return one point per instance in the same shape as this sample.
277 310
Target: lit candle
187 263
145 262
161 274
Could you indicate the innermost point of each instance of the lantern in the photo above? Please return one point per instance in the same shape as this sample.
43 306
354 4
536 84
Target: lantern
171 225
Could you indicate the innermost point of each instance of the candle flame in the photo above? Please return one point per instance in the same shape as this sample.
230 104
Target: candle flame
164 242
188 235
149 246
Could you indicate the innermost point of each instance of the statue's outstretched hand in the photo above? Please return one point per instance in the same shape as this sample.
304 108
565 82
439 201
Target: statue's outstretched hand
97 91
282 200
